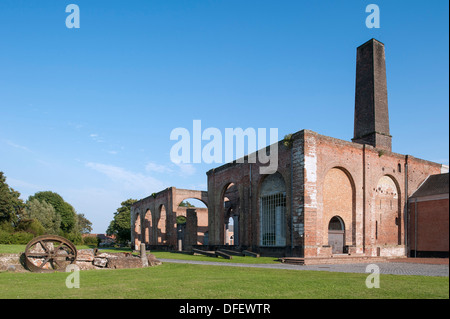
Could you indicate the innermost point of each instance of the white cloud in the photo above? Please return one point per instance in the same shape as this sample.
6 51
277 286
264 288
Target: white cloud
12 144
129 180
180 169
153 167
186 169
96 138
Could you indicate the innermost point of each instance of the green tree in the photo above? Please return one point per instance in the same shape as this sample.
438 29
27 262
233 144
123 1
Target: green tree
120 225
32 226
84 225
11 206
45 214
186 204
64 209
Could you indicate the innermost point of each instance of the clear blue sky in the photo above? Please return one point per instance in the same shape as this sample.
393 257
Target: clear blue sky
88 112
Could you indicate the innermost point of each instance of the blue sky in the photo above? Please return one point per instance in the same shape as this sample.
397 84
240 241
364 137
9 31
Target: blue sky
88 112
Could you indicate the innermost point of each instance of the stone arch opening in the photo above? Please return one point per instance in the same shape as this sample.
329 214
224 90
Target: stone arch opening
147 227
272 211
192 232
230 208
137 230
162 227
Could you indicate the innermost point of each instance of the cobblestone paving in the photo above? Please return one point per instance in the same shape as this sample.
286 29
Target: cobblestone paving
391 268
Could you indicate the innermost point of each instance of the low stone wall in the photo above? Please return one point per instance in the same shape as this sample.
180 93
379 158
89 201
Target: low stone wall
11 262
91 259
86 259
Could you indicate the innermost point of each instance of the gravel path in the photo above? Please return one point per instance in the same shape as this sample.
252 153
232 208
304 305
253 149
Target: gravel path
391 268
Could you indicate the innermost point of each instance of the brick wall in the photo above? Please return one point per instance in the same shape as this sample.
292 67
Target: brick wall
432 232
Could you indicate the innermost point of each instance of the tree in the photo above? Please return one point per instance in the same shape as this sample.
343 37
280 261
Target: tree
11 206
45 214
120 226
186 204
84 225
64 209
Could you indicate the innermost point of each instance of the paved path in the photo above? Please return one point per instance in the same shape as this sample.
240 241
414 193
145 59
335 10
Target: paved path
391 268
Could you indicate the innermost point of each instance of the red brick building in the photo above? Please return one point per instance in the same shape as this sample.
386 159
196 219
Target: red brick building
428 218
328 196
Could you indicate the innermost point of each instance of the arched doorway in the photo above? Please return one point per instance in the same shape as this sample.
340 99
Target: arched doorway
336 235
195 213
231 204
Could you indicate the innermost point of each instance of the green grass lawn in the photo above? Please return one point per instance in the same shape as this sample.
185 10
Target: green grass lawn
181 281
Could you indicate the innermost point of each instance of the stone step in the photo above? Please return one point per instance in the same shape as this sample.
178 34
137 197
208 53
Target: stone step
223 254
250 253
204 252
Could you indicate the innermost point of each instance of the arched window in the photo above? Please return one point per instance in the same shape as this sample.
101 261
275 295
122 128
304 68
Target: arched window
273 211
336 224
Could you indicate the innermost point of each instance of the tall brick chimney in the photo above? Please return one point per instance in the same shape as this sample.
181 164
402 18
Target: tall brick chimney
371 104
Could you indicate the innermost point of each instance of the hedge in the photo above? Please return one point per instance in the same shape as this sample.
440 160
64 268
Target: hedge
16 238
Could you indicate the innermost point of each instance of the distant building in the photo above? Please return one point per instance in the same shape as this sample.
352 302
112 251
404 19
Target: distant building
104 239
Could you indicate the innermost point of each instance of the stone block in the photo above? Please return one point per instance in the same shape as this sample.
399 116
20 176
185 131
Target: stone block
100 262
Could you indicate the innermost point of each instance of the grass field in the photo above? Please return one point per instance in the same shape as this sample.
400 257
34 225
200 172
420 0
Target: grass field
180 281
183 281
16 249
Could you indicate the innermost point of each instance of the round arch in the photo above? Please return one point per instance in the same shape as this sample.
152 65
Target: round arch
137 229
339 199
230 212
193 197
162 225
147 227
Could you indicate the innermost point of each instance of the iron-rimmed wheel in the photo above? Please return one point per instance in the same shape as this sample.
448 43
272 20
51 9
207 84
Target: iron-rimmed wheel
49 253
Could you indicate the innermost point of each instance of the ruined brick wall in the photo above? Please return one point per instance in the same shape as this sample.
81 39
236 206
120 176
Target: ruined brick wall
153 219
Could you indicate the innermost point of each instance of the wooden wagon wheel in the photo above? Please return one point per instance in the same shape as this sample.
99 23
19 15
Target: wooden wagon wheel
49 253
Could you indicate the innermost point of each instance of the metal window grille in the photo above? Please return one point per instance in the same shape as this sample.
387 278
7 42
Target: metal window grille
273 220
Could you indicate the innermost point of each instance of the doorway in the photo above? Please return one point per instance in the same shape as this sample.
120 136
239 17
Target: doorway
336 235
